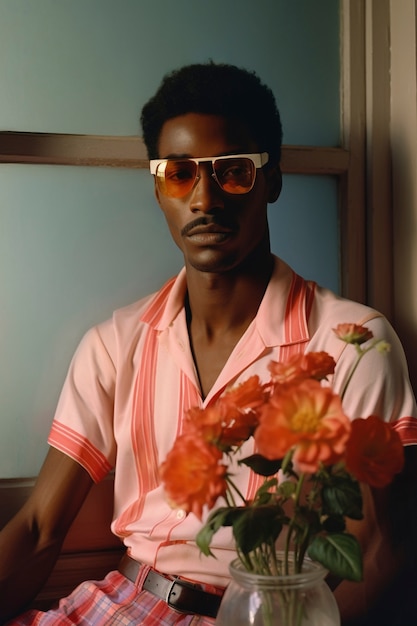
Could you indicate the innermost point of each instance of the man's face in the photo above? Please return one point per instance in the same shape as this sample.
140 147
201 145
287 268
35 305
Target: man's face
215 230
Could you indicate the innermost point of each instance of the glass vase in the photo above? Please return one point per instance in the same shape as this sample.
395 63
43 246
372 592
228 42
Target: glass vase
288 600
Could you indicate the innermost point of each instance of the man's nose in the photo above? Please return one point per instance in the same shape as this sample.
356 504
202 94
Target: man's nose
206 195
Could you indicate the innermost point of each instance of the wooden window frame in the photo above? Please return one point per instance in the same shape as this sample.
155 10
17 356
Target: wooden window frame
347 161
129 152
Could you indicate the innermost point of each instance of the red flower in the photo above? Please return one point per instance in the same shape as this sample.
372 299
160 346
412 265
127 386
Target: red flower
193 475
250 394
317 365
233 418
353 333
239 408
287 373
307 417
374 452
238 427
205 423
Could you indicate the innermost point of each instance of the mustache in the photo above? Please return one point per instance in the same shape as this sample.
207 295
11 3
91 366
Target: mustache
205 220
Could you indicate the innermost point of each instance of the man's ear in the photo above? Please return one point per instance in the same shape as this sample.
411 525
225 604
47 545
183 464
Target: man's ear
274 181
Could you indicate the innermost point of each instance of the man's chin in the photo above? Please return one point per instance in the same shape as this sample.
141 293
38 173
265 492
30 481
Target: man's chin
212 263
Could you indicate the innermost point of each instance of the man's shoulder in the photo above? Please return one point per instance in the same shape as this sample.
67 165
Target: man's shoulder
125 322
331 304
119 331
143 311
136 308
330 309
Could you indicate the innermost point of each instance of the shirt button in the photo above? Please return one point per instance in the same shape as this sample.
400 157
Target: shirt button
180 514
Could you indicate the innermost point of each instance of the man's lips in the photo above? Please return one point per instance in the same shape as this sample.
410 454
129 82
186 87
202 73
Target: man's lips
202 231
202 226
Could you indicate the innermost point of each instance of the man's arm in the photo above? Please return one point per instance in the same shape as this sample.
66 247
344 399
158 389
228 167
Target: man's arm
389 543
31 541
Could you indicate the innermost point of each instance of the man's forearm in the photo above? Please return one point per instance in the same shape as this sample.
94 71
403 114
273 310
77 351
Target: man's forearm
382 560
25 564
31 541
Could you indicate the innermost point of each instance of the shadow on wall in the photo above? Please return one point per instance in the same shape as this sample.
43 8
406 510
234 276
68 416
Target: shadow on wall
405 258
408 335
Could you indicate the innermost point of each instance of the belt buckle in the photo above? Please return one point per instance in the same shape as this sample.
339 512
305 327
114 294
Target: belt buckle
180 584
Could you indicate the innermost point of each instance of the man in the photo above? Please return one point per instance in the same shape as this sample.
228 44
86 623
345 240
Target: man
213 135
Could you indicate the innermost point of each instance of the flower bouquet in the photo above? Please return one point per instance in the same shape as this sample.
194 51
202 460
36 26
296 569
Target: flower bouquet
310 455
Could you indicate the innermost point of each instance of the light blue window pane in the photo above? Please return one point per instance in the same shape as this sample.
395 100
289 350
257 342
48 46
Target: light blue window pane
76 243
88 66
304 225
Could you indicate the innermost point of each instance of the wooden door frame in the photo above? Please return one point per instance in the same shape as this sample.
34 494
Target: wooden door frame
366 191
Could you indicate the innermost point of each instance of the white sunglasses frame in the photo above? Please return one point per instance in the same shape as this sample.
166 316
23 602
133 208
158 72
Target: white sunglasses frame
258 159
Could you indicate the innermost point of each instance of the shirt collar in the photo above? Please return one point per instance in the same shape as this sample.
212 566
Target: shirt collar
281 317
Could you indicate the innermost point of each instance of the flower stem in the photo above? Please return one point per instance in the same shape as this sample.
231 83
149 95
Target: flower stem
361 353
291 527
229 494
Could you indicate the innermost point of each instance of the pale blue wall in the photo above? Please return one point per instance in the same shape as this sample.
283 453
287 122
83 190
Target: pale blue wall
87 66
77 242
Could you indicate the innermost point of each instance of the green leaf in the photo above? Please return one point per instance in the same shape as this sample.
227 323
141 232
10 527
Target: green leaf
264 495
307 521
260 465
223 516
267 484
340 553
342 496
287 488
334 524
258 525
263 498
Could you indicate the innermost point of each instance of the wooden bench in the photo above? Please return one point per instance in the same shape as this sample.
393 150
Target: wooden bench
90 550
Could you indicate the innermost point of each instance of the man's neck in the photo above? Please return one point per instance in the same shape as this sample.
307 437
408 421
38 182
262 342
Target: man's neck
220 307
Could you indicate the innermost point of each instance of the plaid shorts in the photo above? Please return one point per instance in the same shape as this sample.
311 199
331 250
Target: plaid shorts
112 601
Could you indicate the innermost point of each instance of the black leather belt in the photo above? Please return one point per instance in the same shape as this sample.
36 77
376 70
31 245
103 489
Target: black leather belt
179 594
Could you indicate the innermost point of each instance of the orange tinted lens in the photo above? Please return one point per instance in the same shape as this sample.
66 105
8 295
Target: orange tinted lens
176 178
235 175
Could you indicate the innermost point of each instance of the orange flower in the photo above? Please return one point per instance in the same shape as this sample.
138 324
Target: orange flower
353 333
192 474
232 419
239 408
250 394
239 427
307 417
374 452
287 373
317 365
205 423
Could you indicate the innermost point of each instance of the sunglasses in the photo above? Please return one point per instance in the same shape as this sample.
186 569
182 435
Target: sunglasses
234 174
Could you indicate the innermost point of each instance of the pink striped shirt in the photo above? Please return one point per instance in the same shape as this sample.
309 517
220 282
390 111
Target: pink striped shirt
133 376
